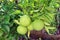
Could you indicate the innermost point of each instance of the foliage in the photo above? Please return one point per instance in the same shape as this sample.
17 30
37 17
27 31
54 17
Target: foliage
11 10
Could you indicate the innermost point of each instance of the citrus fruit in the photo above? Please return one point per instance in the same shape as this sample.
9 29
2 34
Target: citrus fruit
21 30
38 25
30 27
25 20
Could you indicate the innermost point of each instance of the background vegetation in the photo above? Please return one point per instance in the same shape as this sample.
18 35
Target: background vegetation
11 10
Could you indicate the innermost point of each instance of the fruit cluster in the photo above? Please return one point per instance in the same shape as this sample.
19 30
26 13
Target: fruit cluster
27 25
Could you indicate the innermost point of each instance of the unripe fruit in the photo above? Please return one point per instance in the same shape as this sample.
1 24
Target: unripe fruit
30 27
21 30
38 25
25 20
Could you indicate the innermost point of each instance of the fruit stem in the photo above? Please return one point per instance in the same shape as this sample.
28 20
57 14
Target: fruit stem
16 21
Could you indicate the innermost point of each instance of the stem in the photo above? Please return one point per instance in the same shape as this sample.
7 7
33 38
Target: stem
58 18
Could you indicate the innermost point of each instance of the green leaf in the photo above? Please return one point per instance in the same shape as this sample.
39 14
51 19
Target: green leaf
16 12
1 32
11 38
2 38
50 30
6 28
6 19
24 3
